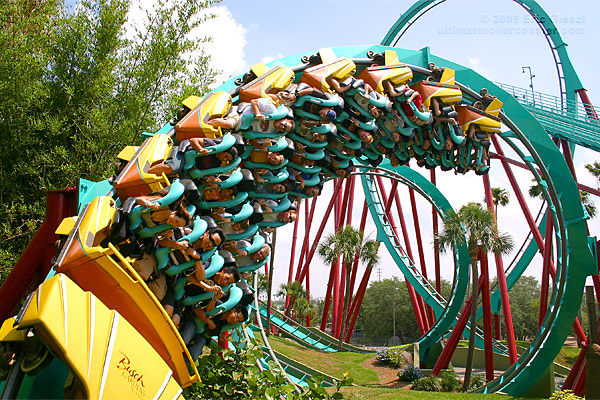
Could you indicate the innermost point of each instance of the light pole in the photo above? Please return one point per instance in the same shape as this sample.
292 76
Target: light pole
531 76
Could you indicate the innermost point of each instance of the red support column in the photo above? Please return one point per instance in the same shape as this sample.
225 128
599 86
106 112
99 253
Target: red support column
35 262
360 294
301 272
327 304
361 228
293 255
487 319
436 248
457 331
415 214
546 270
577 366
410 255
502 285
411 291
497 327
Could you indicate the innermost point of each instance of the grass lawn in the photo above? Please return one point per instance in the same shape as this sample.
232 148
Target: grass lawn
366 382
366 393
334 364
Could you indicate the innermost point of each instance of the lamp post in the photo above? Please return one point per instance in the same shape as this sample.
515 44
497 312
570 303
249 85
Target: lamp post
531 76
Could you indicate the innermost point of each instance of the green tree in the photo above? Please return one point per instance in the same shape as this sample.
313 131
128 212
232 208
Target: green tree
525 306
346 244
296 292
382 300
500 198
594 169
79 85
474 226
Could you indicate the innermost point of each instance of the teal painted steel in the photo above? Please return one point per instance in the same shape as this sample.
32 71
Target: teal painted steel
569 81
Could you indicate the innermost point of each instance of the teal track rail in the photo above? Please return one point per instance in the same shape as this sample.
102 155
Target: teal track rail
297 372
301 334
446 312
568 120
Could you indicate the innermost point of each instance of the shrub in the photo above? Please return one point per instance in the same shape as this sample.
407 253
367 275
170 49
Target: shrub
565 395
450 381
478 380
409 373
390 357
428 384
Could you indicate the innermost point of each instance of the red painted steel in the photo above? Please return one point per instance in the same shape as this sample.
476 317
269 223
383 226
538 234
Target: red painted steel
35 262
487 319
502 285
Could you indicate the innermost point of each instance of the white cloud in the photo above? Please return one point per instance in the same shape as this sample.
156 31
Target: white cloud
227 45
228 37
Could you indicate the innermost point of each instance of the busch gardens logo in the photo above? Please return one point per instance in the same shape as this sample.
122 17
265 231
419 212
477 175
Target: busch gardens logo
132 376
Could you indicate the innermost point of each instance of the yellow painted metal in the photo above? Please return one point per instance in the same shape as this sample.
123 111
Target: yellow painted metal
8 332
66 226
134 179
191 102
271 81
194 123
486 121
110 277
445 91
393 71
101 348
340 69
127 153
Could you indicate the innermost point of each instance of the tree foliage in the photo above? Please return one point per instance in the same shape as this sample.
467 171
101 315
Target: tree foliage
77 86
346 245
235 375
377 315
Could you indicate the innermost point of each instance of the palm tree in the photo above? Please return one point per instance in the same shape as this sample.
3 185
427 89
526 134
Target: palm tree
588 204
475 225
347 244
294 290
500 197
594 169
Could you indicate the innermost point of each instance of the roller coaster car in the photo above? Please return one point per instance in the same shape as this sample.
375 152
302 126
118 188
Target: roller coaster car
340 69
393 71
485 120
110 277
194 123
271 81
445 90
134 180
105 355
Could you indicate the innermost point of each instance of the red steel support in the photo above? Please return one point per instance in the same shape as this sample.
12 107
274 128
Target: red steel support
487 319
496 326
35 262
293 255
530 221
411 291
301 272
589 109
436 247
546 269
502 285
415 214
577 366
410 255
357 303
457 331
